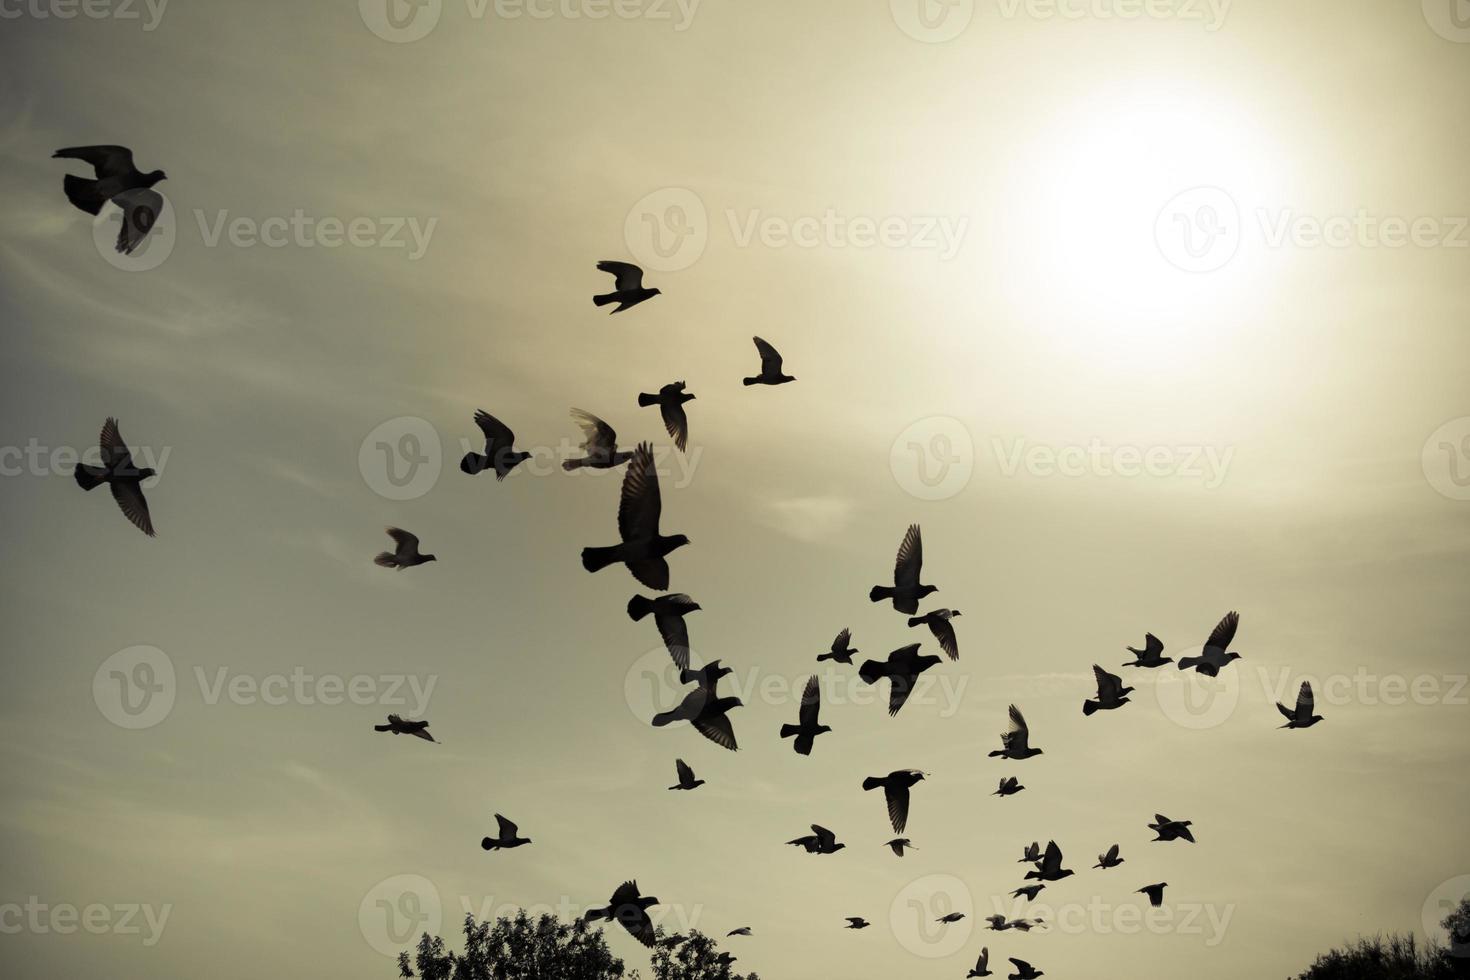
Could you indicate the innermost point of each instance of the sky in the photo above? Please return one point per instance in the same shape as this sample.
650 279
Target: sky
1144 312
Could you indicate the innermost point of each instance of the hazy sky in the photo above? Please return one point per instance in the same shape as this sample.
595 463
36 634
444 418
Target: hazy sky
1143 318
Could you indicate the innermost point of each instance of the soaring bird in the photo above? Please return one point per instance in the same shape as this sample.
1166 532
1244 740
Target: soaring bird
500 454
1110 692
939 624
1155 893
999 923
670 401
1032 854
122 477
1151 655
909 565
707 677
1009 786
842 650
117 181
599 443
1024 970
982 965
1029 891
405 554
1302 717
896 790
508 836
668 615
819 841
686 776
1049 868
1171 829
950 917
1110 859
643 548
1015 741
856 922
742 931
902 668
1217 652
898 844
630 909
628 289
708 714
770 366
807 729
396 725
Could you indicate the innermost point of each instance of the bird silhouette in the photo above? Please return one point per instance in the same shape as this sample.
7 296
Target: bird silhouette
819 841
630 909
724 960
807 729
907 568
672 940
742 931
1110 692
119 181
1032 854
396 725
599 444
1110 859
902 668
500 454
686 776
707 677
405 553
1009 786
982 964
1024 970
668 615
1029 891
896 791
1155 893
1171 829
770 366
939 623
1049 868
842 650
708 714
122 476
670 401
1151 655
628 289
643 548
1216 653
899 844
950 917
1016 740
1302 717
507 837
856 922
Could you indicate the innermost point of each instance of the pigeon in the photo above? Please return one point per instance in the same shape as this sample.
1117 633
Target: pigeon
686 776
396 725
742 931
1216 653
1155 893
770 366
1009 786
630 909
670 401
842 650
1110 692
507 837
1302 717
117 181
856 922
939 624
951 917
981 965
124 479
406 554
1015 741
1032 853
1150 655
902 668
1029 891
1024 970
628 289
906 591
643 548
1025 925
819 841
896 790
500 454
668 615
1049 868
672 940
725 959
898 844
998 923
807 730
1109 860
1171 829
707 713
707 677
599 443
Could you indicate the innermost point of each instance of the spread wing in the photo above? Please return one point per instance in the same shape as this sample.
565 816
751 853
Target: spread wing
1305 702
627 894
676 422
141 207
507 829
843 638
598 438
770 358
898 806
1224 633
676 637
910 559
855 919
626 275
715 726
943 630
686 775
1051 861
1109 686
107 161
810 702
131 502
825 837
497 434
407 543
115 454
1016 738
1152 645
899 688
1112 855
638 512
984 961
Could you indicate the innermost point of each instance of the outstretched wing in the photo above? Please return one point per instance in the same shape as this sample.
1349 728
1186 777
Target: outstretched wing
626 275
843 638
107 161
1305 703
770 358
686 775
1109 686
1016 738
141 207
1152 645
639 509
1051 861
910 559
1224 633
676 636
715 726
898 806
598 438
507 829
407 542
133 504
115 454
943 630
811 697
676 422
497 434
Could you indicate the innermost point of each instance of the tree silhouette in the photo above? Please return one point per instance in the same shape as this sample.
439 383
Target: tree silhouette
1400 957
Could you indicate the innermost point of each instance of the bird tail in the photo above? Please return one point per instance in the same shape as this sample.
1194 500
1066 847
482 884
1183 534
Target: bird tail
663 718
638 607
605 299
474 463
915 620
871 671
826 656
880 592
790 731
82 191
573 464
1088 707
1186 663
89 477
995 753
488 843
386 559
645 399
382 728
752 381
596 559
872 782
593 915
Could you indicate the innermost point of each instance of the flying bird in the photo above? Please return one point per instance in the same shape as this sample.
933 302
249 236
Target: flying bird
1032 854
896 791
724 959
807 729
770 366
122 477
599 444
668 615
819 841
907 567
939 623
1216 653
1049 868
1151 655
1024 970
1155 893
707 677
630 909
1029 891
902 668
686 776
707 713
1016 740
1110 692
842 650
1009 786
117 181
405 554
856 922
643 548
628 289
982 965
508 836
396 725
1302 717
1109 860
672 940
500 454
950 917
670 401
742 931
898 844
1171 829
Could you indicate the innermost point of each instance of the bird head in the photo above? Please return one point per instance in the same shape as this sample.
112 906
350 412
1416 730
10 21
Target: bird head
838 847
431 557
687 396
678 540
927 590
655 292
155 177
147 472
1232 655
823 729
486 843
